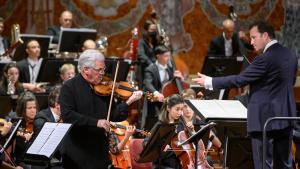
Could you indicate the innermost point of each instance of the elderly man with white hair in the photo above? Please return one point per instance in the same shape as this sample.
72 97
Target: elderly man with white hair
86 145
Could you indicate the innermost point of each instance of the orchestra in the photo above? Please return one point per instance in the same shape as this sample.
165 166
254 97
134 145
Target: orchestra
111 101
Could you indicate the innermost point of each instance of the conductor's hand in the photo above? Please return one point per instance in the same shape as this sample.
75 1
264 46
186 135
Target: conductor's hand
103 124
134 97
200 79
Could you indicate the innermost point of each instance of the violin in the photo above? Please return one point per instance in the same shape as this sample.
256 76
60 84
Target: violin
122 159
120 126
122 90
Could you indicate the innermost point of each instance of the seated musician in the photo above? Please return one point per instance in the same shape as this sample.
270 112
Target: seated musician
89 44
50 114
30 66
4 42
27 107
170 112
228 42
156 75
192 120
116 145
65 20
10 85
67 71
118 141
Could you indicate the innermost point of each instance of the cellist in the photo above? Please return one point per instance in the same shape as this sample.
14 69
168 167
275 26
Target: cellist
192 120
170 113
156 75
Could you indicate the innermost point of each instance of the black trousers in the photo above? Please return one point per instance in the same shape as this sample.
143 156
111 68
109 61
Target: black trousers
278 154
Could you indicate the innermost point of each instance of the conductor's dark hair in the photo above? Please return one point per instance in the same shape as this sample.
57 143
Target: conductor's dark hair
262 27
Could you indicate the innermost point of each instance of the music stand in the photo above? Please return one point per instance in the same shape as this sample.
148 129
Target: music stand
161 135
195 139
44 41
216 66
71 39
49 71
111 64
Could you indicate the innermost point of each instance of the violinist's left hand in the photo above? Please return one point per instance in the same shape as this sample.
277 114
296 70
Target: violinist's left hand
134 97
129 131
178 74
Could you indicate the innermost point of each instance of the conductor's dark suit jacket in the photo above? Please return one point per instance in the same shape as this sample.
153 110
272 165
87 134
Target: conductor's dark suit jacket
152 83
271 77
55 32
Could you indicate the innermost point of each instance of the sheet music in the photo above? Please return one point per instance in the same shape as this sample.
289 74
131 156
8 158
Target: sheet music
48 139
225 109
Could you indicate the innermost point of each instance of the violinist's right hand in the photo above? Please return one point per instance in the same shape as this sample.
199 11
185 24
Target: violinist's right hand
102 123
158 96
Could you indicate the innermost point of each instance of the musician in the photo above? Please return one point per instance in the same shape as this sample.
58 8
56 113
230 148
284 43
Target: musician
156 75
9 83
30 66
227 43
67 71
65 20
86 144
116 145
4 42
89 44
50 114
170 112
146 46
10 79
27 107
271 77
192 120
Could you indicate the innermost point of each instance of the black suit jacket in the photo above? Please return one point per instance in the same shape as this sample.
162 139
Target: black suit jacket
152 83
217 46
86 145
24 71
271 77
41 118
55 32
6 43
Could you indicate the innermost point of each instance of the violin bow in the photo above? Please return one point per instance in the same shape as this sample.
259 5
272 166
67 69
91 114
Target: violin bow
113 90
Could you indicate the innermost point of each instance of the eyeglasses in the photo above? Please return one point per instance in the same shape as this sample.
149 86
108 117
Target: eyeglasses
100 70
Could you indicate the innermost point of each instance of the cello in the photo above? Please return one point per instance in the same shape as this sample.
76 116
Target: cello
186 153
175 85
